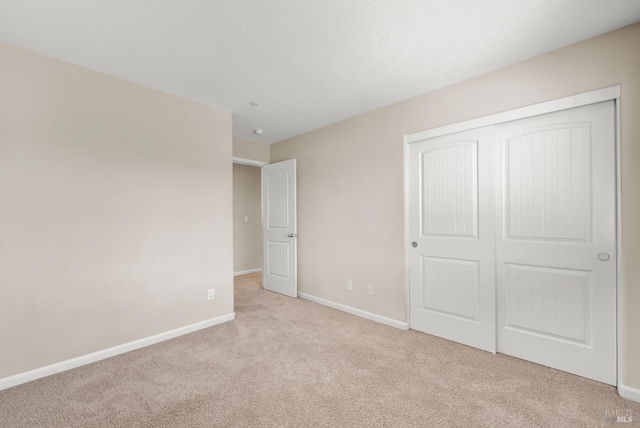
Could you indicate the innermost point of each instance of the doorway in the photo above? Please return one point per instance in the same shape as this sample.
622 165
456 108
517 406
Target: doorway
247 218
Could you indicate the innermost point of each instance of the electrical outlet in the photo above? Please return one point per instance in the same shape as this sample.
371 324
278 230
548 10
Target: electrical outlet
349 284
211 294
370 289
246 219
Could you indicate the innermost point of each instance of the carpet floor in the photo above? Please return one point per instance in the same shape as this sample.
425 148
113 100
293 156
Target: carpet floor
292 363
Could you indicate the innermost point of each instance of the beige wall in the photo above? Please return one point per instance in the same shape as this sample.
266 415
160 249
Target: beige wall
116 211
247 236
249 149
350 176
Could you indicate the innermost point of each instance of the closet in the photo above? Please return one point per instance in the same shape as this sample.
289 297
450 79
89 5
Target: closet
512 238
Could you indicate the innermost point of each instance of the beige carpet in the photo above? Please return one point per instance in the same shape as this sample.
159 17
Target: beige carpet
287 362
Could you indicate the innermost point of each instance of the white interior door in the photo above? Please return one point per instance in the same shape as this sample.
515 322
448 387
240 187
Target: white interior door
556 247
279 268
452 226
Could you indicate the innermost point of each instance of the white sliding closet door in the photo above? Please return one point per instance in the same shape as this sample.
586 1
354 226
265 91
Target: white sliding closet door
556 247
451 224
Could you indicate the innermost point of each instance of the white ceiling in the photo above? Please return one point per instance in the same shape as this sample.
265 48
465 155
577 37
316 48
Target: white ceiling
307 63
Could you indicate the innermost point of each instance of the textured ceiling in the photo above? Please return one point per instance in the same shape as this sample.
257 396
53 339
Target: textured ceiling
307 63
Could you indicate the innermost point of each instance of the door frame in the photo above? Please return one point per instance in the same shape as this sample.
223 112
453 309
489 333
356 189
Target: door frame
250 162
259 164
611 93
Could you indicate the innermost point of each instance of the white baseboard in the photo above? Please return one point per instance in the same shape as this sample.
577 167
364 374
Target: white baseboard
629 393
245 272
358 312
62 366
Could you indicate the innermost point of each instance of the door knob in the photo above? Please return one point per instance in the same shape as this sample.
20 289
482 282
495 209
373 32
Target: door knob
292 235
414 244
604 257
